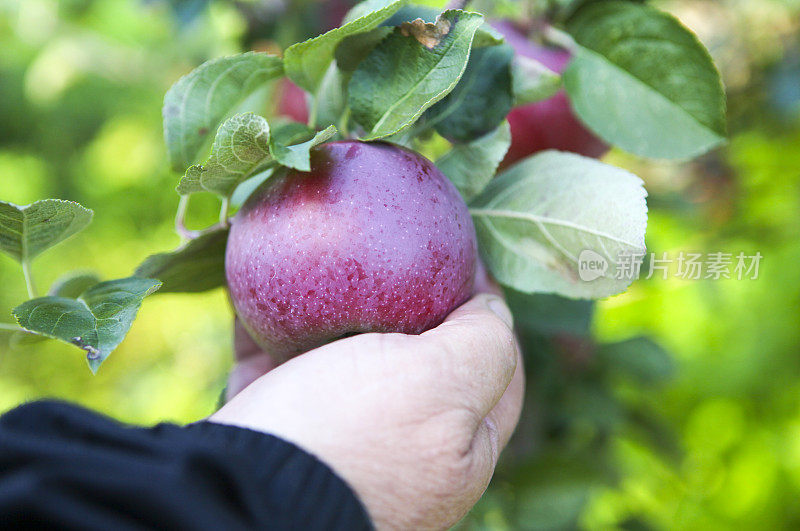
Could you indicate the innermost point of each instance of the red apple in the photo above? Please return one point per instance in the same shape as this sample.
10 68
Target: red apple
292 101
335 11
373 239
548 124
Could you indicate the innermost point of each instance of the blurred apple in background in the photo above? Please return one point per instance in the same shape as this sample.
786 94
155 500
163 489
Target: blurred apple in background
548 124
292 101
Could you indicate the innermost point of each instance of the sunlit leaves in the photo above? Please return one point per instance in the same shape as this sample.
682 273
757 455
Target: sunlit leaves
480 101
73 284
26 231
652 89
298 155
535 219
472 165
409 71
96 321
532 81
244 146
307 62
240 148
196 105
199 265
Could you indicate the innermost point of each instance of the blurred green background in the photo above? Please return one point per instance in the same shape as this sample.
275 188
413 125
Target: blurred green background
697 427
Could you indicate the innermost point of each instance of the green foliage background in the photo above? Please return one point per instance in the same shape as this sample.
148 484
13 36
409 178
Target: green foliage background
717 446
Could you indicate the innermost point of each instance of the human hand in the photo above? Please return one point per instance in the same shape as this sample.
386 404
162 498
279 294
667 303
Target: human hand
414 424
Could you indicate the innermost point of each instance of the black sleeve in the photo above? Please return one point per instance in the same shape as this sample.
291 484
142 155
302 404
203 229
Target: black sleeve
65 467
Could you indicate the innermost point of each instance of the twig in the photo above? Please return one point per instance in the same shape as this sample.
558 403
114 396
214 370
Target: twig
29 282
11 327
180 220
223 211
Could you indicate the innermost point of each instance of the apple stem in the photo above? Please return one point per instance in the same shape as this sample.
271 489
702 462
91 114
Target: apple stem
28 274
180 220
223 211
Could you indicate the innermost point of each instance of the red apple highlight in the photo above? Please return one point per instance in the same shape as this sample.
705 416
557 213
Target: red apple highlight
548 124
373 239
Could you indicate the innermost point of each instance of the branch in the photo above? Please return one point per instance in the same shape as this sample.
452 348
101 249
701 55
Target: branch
29 282
180 220
223 212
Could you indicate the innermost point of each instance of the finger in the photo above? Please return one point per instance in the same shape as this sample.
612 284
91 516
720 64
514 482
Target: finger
252 361
476 352
493 432
505 415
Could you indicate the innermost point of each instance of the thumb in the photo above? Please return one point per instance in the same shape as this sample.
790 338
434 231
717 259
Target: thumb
478 350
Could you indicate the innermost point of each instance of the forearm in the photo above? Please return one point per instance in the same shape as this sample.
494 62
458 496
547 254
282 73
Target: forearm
61 465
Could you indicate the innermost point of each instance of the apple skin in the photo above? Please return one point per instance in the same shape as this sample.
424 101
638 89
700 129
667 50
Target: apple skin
373 239
292 101
547 124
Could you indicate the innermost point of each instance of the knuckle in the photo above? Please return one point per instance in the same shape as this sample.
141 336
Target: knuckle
458 452
503 343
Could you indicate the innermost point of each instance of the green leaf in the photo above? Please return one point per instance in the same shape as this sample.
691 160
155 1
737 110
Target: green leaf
480 101
307 62
485 36
97 321
365 7
570 7
190 183
402 77
292 132
73 284
643 82
329 103
546 314
471 166
27 231
410 12
352 50
639 358
244 147
197 266
241 148
196 105
532 81
70 285
246 189
536 219
298 156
